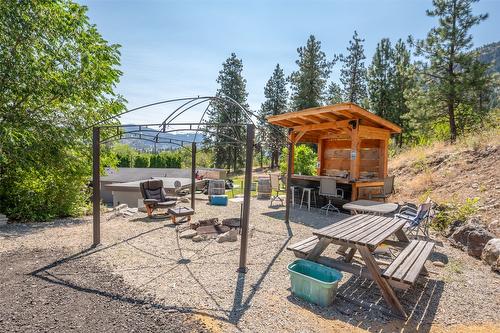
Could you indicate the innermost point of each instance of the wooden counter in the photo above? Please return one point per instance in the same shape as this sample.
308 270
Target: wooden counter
354 184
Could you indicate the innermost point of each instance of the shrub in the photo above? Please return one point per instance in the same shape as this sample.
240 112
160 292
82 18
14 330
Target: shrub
141 160
305 160
452 211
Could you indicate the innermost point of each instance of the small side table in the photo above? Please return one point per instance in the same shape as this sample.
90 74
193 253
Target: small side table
181 212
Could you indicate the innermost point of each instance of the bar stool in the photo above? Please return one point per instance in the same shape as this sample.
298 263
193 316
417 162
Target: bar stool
292 189
309 190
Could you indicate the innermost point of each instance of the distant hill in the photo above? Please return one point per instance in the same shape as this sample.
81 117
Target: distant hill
143 145
490 53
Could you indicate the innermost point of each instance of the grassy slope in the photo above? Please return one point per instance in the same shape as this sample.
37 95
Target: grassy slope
467 169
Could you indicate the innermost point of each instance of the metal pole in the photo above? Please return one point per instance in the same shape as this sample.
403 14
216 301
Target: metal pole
288 197
193 173
96 186
246 198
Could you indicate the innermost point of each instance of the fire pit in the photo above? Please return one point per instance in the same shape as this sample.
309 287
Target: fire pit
209 229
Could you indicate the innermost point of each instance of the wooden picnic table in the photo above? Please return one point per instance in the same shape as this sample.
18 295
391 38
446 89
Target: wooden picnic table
364 233
371 207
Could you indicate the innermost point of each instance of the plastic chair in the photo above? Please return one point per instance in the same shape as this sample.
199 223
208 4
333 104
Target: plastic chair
328 188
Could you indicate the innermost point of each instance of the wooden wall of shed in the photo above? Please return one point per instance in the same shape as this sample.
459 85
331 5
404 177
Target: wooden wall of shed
335 155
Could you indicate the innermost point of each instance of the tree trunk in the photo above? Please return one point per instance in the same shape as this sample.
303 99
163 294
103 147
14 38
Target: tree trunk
453 125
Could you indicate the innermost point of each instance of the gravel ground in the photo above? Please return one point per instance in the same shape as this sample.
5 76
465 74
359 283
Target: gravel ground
181 276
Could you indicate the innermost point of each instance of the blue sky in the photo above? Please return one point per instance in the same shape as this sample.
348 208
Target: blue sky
176 48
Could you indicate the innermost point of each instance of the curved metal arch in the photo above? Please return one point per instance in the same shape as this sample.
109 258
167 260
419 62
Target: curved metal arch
142 139
140 131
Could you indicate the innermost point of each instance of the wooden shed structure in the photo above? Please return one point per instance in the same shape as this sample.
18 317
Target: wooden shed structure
352 143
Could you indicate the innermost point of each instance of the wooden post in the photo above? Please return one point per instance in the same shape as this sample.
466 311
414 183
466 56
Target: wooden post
355 153
383 152
193 174
289 171
96 187
320 156
246 198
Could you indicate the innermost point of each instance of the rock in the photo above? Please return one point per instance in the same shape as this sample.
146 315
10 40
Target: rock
491 253
188 233
184 199
471 238
453 227
199 238
494 227
230 236
438 263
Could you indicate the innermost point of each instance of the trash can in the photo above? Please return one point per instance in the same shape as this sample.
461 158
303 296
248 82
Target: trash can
314 282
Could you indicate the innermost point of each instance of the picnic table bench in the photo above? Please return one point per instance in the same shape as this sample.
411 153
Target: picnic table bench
364 233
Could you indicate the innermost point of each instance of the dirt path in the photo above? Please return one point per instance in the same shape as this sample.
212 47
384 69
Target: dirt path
41 294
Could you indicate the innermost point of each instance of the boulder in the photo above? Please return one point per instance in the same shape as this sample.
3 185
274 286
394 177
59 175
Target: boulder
199 238
188 233
471 238
230 236
494 227
491 253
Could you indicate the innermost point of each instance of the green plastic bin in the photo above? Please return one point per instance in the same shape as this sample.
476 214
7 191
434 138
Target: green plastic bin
314 282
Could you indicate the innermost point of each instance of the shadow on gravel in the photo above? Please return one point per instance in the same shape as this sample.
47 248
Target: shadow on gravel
240 305
313 218
18 229
359 303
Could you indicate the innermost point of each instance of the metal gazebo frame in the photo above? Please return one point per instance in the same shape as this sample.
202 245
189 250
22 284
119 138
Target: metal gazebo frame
164 127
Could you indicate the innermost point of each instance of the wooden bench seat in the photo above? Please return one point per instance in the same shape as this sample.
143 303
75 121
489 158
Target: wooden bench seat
409 263
302 248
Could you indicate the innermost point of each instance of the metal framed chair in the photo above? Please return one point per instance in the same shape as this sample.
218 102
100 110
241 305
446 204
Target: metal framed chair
417 219
328 188
276 186
387 189
154 196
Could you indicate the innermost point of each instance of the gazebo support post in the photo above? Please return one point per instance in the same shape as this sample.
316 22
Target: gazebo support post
289 170
193 173
96 186
246 198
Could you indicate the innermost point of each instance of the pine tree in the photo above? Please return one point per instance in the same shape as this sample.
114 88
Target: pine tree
271 136
233 85
379 80
449 67
402 81
308 83
334 94
353 72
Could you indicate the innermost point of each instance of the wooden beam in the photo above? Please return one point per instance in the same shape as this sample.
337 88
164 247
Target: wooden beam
348 110
369 132
298 136
322 126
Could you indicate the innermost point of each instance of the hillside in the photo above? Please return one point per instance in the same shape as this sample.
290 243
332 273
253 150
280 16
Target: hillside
490 53
453 173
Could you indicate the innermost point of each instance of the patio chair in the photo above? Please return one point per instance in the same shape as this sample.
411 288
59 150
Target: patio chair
328 188
154 196
417 219
276 186
387 189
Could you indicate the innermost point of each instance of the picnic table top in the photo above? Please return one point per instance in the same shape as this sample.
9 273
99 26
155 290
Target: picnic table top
361 229
371 206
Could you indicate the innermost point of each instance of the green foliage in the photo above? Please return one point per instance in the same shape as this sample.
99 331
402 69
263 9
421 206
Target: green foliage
142 160
233 85
308 83
305 160
334 94
390 76
452 211
57 76
353 72
124 154
453 76
271 137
